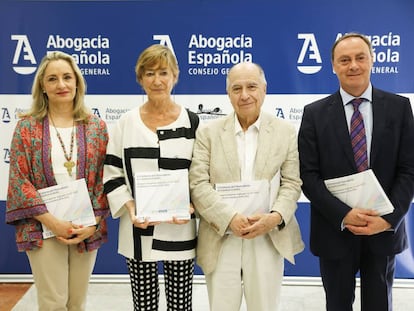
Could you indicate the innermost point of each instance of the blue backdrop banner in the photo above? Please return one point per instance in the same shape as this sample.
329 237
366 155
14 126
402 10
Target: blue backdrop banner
291 40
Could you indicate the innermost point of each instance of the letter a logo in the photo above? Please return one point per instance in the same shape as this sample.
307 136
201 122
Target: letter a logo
5 115
311 52
95 111
279 113
6 156
164 40
24 54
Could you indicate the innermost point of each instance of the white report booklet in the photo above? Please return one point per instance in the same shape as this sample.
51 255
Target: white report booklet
361 190
162 195
250 197
68 201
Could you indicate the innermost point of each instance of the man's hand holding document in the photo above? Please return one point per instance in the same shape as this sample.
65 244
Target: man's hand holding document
361 190
250 197
162 195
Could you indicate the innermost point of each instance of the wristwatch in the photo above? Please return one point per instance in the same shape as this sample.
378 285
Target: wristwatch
281 224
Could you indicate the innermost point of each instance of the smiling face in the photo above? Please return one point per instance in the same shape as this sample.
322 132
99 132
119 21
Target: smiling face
59 82
352 63
246 88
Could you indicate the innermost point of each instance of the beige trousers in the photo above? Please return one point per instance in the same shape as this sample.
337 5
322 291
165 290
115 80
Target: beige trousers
250 267
61 275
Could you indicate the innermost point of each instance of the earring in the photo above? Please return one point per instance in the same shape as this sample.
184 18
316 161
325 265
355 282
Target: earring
44 91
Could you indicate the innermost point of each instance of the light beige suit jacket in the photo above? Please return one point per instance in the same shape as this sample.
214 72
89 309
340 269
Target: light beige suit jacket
215 160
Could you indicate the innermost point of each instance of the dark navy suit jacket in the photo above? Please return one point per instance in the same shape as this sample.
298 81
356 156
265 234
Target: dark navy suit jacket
325 152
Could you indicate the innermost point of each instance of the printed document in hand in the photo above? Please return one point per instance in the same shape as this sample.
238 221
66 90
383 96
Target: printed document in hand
361 190
162 195
250 197
68 201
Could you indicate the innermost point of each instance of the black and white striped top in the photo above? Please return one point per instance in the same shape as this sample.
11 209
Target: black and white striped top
135 148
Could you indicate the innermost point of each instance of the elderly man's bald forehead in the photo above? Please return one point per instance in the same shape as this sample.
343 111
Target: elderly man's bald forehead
247 70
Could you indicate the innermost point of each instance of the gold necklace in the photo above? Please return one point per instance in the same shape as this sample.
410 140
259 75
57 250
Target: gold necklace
69 164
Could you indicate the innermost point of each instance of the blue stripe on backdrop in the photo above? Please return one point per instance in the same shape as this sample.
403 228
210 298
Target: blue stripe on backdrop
290 39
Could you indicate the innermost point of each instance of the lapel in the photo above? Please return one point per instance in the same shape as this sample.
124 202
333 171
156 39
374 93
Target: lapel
336 113
263 146
228 143
379 116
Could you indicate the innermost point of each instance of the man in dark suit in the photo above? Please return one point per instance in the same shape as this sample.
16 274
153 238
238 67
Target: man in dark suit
351 239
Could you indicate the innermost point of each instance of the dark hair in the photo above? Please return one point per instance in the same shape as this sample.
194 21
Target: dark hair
351 35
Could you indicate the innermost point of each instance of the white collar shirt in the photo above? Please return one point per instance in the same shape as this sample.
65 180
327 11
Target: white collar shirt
246 147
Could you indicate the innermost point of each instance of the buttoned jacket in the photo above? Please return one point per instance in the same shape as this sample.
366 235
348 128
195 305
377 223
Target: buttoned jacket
326 152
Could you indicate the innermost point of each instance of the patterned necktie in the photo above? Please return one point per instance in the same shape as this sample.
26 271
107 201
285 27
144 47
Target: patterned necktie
358 139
